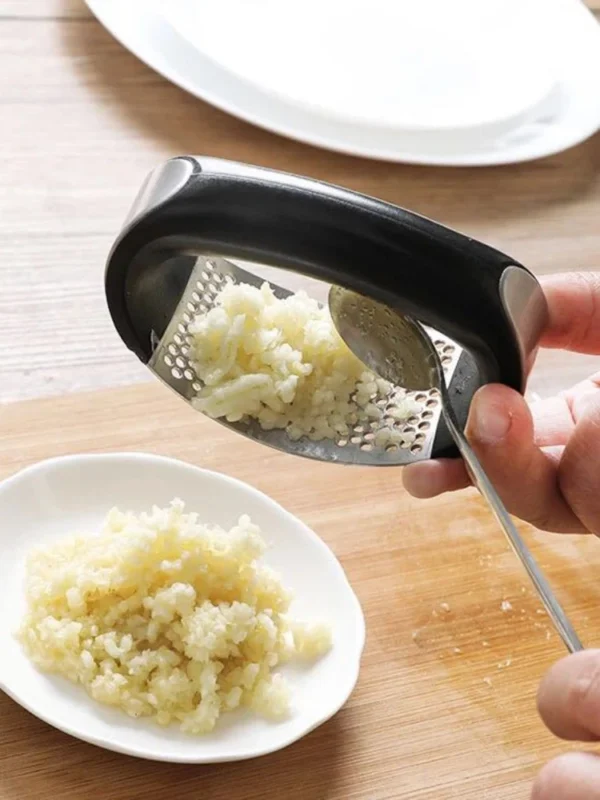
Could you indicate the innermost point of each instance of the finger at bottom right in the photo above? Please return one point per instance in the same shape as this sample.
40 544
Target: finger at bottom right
572 776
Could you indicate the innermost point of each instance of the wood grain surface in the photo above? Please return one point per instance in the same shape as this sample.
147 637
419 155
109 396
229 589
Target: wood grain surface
445 706
81 123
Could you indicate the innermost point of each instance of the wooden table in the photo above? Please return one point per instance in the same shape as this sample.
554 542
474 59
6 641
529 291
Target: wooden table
81 123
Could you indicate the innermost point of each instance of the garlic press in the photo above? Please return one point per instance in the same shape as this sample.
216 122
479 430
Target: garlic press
195 217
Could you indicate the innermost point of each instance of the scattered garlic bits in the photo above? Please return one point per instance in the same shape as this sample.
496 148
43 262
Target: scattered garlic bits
282 362
164 617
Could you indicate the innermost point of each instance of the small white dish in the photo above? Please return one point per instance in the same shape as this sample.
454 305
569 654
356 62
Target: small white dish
65 495
569 116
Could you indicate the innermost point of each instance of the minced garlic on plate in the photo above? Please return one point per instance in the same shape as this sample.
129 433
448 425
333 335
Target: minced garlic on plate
165 617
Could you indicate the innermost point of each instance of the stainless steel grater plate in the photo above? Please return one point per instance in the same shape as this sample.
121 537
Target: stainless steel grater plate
171 362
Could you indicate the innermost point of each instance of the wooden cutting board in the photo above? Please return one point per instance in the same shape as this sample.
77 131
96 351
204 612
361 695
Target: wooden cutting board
445 706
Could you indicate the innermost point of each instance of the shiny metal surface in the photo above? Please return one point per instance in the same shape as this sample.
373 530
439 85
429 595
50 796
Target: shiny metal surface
526 307
162 183
387 342
398 349
172 362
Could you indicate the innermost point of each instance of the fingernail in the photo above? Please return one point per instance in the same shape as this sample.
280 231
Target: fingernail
490 422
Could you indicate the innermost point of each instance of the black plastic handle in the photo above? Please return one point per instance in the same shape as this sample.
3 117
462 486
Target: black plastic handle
425 270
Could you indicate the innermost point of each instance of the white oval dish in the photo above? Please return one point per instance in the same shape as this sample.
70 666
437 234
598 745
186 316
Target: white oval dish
572 114
61 496
429 66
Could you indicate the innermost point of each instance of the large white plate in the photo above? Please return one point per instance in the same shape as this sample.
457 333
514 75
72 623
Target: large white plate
431 65
73 494
571 114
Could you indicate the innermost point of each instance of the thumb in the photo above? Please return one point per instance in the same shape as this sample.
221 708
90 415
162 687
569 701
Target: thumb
500 430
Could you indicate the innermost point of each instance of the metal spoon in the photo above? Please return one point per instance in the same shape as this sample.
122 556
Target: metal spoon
397 348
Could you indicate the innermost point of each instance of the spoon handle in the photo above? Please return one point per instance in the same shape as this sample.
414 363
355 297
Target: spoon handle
544 590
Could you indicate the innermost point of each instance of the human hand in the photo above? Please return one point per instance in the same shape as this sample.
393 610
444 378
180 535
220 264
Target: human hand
543 460
569 704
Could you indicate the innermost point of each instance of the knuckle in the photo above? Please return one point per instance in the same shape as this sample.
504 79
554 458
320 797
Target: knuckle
589 284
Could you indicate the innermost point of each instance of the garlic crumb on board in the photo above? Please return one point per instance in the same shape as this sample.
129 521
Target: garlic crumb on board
416 637
506 605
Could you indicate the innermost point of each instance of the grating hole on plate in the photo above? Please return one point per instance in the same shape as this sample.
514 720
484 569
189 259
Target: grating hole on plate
177 373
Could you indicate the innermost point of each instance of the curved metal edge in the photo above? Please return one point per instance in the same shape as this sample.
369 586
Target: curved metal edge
160 185
526 308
